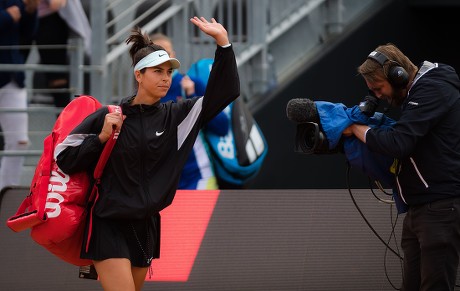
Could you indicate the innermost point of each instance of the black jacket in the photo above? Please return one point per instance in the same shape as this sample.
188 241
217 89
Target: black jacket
426 138
142 173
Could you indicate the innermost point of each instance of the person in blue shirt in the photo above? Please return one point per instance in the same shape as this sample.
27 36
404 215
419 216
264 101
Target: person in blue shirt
198 173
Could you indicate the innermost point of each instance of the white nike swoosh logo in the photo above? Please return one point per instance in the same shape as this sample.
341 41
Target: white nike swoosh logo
159 133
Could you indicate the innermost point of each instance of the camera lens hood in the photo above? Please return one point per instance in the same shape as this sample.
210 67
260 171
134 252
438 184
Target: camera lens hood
310 139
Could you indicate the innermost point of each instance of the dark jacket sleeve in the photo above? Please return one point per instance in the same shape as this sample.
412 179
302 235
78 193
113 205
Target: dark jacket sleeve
219 124
81 158
84 155
29 26
421 112
6 21
223 85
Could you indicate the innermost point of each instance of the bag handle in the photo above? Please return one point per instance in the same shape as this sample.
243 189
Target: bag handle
105 153
98 173
107 148
45 176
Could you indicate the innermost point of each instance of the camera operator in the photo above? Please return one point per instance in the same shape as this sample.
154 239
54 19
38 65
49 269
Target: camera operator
426 144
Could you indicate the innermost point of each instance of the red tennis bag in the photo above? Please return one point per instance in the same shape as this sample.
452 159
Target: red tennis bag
56 207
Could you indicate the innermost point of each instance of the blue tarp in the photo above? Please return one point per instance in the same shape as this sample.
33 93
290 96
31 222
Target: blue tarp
335 118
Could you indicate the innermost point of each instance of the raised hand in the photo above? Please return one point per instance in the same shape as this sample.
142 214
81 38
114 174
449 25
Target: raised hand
213 29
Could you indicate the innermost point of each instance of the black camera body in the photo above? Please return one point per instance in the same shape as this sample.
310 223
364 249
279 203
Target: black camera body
310 137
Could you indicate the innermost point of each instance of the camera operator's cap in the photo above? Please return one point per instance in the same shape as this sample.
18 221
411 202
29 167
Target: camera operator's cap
156 58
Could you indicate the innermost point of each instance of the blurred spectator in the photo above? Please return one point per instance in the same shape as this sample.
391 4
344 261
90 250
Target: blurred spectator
18 19
198 173
59 20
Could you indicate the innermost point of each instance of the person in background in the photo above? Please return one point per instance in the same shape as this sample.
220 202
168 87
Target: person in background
142 173
18 19
198 173
59 20
425 142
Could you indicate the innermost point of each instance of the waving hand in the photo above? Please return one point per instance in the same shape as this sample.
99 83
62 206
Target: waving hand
213 29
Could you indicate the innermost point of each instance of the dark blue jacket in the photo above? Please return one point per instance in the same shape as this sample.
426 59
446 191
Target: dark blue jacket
426 138
10 34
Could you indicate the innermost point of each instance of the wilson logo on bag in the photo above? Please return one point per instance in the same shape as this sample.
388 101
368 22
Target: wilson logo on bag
58 183
56 207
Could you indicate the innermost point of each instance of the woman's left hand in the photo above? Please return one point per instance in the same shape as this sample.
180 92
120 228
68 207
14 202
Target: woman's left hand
213 29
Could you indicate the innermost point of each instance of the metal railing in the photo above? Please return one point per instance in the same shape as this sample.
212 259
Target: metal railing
76 71
75 68
269 36
271 39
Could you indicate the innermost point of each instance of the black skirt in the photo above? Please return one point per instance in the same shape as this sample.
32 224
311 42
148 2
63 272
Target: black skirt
136 240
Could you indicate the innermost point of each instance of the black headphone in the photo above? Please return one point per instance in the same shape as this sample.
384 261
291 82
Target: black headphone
396 75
